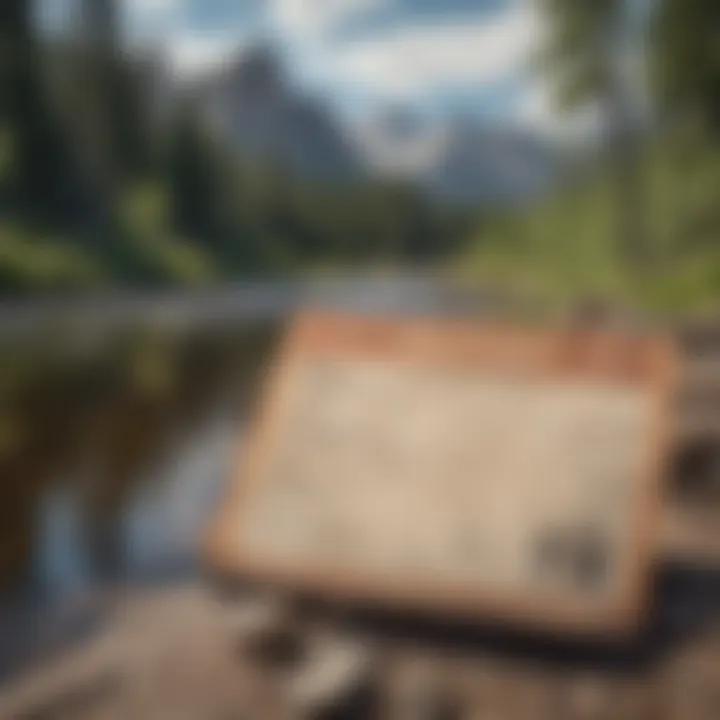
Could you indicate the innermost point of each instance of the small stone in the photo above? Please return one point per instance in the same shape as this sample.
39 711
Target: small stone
334 680
263 630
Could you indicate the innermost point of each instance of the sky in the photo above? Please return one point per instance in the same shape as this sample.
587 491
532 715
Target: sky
438 56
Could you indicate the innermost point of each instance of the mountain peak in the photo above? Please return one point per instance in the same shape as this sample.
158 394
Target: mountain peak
255 107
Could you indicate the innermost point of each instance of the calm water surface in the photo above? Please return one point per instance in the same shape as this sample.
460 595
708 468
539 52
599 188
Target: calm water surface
112 457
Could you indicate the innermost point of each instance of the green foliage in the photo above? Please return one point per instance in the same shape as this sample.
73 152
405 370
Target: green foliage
193 177
170 262
148 251
93 192
588 41
54 265
646 229
38 183
563 249
686 60
142 203
579 51
6 158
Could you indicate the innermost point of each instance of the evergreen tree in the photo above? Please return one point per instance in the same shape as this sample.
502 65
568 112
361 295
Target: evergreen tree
584 57
193 179
40 184
109 112
686 61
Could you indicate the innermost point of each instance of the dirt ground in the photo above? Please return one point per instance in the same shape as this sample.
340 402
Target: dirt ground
190 653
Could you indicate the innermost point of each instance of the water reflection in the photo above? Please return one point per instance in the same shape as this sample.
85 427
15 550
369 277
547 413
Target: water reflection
110 456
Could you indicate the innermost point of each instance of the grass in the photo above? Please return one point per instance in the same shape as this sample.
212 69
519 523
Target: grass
564 247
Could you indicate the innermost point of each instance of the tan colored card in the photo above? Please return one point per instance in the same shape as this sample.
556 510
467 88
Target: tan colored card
456 467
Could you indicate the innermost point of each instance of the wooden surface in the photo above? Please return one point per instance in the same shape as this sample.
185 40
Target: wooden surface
179 653
456 467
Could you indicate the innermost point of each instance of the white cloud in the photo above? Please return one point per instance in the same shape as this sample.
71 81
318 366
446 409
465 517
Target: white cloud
151 18
311 19
403 62
153 6
152 12
538 111
191 55
187 51
411 60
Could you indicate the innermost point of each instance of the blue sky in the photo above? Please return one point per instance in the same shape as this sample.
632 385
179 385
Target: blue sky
432 53
440 56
